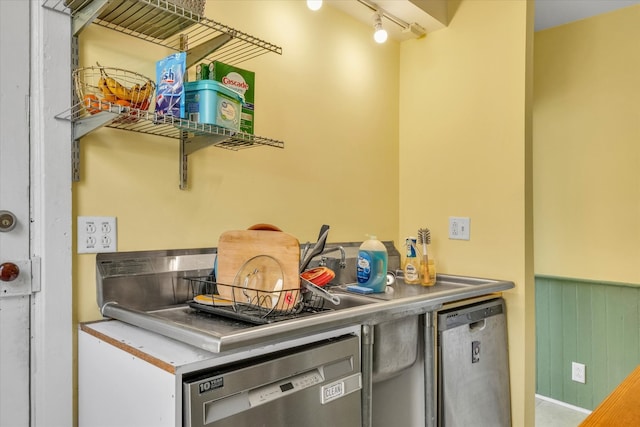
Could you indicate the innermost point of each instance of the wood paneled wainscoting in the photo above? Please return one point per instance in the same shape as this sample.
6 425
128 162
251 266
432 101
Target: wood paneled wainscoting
593 323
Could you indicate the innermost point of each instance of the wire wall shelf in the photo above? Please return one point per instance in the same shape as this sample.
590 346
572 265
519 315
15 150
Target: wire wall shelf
178 25
164 23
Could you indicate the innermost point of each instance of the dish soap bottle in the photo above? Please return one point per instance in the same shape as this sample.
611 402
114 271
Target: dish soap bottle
411 263
372 265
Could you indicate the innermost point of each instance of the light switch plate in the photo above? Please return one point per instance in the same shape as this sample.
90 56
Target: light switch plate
97 234
459 228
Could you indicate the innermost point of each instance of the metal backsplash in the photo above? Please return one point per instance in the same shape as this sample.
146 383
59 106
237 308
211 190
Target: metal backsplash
153 280
150 280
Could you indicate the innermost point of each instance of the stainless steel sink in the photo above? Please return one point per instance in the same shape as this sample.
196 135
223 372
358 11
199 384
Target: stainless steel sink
395 347
395 342
150 289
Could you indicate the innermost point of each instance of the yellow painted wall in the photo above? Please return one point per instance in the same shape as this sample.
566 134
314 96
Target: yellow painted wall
587 148
332 97
465 134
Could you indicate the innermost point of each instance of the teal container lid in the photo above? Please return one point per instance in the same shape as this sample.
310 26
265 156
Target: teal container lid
212 85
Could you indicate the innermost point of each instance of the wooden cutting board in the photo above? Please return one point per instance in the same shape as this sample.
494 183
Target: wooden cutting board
235 248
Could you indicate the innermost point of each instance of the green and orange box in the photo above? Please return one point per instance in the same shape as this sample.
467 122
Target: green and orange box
242 82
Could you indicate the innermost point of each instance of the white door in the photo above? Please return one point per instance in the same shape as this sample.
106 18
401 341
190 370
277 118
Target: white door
15 266
36 350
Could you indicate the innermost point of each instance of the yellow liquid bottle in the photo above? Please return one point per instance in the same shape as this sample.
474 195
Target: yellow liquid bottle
427 264
428 272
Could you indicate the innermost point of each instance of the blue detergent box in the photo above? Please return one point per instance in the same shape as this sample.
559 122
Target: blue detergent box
207 101
170 73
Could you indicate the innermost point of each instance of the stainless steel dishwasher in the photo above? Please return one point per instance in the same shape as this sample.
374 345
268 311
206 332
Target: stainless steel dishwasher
473 366
314 385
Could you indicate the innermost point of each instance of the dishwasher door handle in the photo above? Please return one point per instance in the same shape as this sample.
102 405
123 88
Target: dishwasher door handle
478 326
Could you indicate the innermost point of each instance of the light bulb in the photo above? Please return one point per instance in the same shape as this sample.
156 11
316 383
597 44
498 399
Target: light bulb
380 36
314 4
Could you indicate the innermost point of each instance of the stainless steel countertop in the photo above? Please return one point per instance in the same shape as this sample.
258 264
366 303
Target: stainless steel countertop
217 334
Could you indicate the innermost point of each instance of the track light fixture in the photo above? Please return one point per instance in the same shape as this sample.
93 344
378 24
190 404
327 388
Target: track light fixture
413 28
380 34
314 4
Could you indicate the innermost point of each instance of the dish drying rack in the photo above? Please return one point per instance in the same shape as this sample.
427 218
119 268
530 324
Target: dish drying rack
253 305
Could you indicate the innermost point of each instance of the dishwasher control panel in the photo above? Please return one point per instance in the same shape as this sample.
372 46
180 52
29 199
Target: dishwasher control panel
269 392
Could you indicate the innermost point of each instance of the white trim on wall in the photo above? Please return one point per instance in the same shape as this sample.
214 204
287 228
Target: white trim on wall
51 313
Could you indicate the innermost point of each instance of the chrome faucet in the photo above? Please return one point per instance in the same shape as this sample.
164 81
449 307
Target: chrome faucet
343 256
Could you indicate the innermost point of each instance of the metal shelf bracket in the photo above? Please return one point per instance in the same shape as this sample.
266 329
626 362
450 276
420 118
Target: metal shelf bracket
205 49
87 15
86 125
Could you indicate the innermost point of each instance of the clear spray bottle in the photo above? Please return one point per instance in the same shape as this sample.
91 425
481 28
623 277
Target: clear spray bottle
411 265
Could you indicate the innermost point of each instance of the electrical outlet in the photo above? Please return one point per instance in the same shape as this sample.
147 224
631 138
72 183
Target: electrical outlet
97 234
459 228
578 372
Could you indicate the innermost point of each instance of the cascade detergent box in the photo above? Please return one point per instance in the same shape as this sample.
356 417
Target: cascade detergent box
242 82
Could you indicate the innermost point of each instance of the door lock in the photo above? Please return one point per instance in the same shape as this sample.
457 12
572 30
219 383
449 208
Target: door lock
9 272
7 221
19 277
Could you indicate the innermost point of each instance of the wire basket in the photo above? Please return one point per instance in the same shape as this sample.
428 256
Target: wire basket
103 88
252 305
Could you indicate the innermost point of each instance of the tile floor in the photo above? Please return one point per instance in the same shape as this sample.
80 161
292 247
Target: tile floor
551 414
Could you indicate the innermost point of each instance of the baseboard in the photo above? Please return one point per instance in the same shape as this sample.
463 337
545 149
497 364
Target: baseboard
566 405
